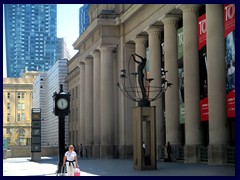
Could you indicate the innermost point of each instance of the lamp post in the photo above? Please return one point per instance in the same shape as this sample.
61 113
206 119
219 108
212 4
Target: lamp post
61 108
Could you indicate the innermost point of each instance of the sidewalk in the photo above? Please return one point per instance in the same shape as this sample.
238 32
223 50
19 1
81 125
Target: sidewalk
114 167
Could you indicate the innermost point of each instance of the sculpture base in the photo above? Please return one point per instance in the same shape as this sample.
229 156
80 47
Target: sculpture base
144 130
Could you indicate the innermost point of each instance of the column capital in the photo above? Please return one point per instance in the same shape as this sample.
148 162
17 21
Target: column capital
140 39
170 20
88 60
95 54
154 30
106 49
186 8
130 46
81 64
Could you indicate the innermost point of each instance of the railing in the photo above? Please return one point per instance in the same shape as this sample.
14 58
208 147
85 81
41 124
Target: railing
230 155
162 153
180 153
203 154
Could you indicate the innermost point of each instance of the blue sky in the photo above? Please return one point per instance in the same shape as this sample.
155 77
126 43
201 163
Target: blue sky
67 27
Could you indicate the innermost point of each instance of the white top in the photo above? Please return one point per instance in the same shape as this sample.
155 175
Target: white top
70 155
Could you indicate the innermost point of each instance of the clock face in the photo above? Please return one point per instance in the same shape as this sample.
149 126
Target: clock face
62 103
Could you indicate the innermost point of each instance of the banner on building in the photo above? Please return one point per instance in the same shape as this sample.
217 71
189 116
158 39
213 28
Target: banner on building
229 33
203 69
181 75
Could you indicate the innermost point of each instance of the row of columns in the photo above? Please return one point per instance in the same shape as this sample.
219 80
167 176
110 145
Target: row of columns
96 103
218 135
97 93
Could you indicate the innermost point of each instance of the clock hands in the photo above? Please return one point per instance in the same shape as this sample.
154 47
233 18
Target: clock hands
62 103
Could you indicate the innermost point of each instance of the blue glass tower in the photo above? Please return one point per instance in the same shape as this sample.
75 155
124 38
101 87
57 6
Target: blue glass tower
31 37
83 18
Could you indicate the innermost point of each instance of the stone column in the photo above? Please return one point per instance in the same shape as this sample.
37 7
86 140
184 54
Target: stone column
154 44
173 134
126 106
193 134
96 104
116 107
88 105
140 45
218 132
107 102
82 103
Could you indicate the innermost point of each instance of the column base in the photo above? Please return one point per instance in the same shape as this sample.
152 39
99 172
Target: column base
125 151
88 151
191 154
129 151
216 154
161 152
106 151
174 153
96 151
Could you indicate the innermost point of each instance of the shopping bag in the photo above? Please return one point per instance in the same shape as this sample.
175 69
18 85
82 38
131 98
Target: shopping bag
76 172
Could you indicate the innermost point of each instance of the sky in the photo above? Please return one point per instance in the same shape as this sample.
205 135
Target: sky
67 27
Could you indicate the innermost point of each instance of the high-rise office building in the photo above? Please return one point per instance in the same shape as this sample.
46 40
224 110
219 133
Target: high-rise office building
62 50
83 18
31 37
43 88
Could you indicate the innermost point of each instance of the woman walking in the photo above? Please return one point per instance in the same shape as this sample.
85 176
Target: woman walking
70 160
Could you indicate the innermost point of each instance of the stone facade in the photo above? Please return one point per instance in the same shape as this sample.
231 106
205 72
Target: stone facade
17 108
104 122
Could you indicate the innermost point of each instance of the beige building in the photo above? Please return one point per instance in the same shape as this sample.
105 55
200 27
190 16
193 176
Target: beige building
101 117
17 107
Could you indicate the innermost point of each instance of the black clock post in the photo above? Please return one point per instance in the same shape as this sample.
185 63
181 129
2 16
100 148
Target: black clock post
61 108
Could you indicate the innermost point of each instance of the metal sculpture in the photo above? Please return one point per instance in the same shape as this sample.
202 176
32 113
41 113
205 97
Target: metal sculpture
132 91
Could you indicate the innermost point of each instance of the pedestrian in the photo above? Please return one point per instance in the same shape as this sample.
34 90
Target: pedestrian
78 150
169 150
144 147
81 150
70 160
86 153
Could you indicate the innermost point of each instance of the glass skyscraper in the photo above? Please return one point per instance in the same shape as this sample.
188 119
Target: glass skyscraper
83 18
62 50
31 37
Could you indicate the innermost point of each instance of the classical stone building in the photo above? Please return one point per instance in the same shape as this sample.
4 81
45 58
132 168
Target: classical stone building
17 108
101 117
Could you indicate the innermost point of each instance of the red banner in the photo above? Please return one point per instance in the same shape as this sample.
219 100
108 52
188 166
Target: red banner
231 104
229 33
204 109
229 18
202 28
202 36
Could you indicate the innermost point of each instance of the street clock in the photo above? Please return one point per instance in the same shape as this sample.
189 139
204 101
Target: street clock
61 108
61 102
